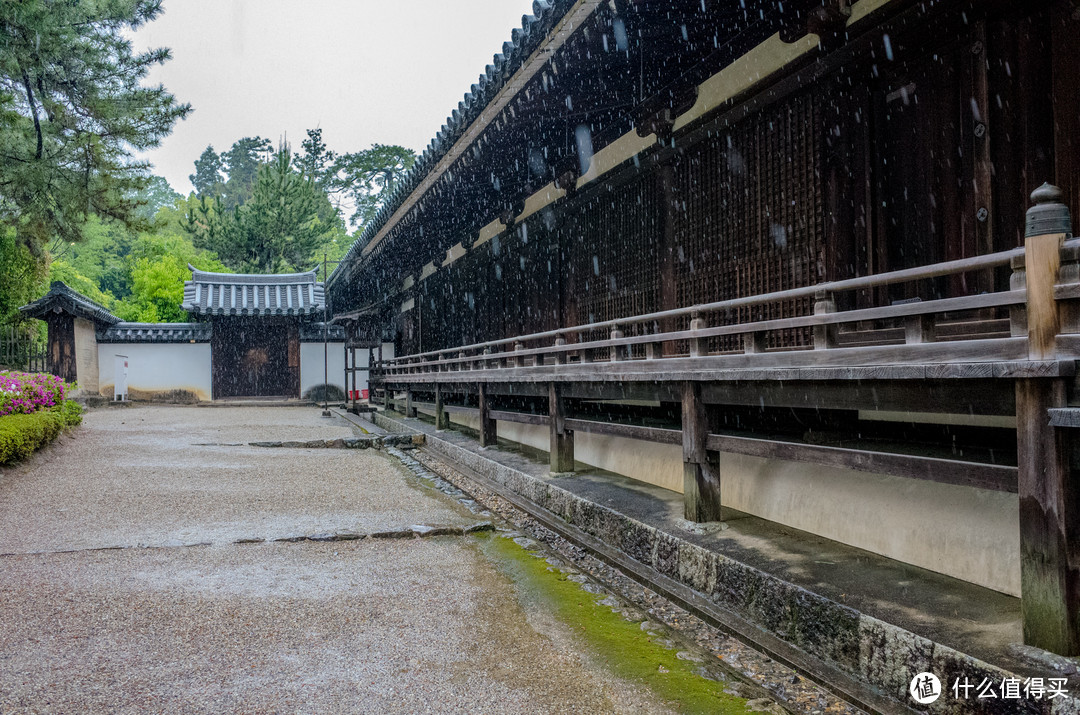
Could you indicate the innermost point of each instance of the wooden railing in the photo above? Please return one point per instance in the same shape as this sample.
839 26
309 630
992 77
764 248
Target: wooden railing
930 331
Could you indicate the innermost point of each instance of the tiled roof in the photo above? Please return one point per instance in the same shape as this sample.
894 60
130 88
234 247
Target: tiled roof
61 298
251 294
156 333
523 42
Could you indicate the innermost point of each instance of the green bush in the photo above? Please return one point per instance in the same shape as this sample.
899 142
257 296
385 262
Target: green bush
21 435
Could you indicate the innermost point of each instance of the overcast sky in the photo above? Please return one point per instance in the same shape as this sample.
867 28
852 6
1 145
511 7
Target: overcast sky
366 71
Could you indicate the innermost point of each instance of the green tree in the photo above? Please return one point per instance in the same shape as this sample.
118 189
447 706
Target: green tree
22 277
242 162
366 177
72 109
154 196
277 229
315 160
207 177
159 267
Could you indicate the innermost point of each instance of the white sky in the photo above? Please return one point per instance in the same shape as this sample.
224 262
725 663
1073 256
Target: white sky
366 71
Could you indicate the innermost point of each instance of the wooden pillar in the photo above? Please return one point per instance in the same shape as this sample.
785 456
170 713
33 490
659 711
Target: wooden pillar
562 439
1049 522
701 473
441 421
488 428
1049 492
410 410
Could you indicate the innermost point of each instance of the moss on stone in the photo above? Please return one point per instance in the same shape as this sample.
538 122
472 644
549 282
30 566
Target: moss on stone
621 646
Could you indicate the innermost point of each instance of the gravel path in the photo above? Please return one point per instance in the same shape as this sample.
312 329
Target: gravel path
403 625
138 477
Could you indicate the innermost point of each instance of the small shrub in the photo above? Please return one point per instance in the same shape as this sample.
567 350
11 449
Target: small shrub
330 393
70 412
22 393
23 434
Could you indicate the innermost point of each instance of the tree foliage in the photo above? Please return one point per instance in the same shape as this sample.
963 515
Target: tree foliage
365 177
207 178
277 229
72 108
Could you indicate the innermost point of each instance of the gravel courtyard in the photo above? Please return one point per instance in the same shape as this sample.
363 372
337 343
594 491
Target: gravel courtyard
195 622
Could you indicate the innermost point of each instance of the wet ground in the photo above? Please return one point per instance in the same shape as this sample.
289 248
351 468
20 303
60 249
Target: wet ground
182 618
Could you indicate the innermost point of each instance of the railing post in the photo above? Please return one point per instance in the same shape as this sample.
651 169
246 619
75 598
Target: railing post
410 410
560 357
918 329
1018 313
654 351
824 335
488 427
701 473
1048 225
1049 494
698 346
562 439
755 343
441 421
519 360
616 352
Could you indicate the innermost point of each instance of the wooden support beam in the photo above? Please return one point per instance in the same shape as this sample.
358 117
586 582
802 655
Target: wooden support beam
562 439
410 408
442 420
1049 521
488 427
701 473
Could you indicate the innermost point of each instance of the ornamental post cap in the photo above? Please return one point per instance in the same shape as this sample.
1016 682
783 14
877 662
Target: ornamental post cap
1049 215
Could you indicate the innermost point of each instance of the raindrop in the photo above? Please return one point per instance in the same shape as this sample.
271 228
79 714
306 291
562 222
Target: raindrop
779 235
888 47
595 265
583 138
619 28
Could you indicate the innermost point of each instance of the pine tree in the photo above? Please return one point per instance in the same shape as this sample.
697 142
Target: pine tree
207 178
72 108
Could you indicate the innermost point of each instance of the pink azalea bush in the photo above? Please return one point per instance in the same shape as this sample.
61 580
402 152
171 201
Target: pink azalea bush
23 393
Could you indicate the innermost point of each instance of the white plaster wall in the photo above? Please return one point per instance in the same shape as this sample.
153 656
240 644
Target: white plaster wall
155 368
966 533
312 370
86 355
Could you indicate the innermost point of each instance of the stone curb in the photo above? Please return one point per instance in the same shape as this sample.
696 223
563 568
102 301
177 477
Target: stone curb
401 441
879 654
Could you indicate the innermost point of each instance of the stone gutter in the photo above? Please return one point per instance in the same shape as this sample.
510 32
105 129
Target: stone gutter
878 654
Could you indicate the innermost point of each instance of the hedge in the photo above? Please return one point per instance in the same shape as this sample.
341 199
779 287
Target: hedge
21 435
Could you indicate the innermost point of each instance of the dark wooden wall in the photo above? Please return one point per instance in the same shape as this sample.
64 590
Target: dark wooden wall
922 149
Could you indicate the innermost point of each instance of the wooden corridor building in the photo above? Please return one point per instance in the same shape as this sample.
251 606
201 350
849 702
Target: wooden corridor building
789 246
